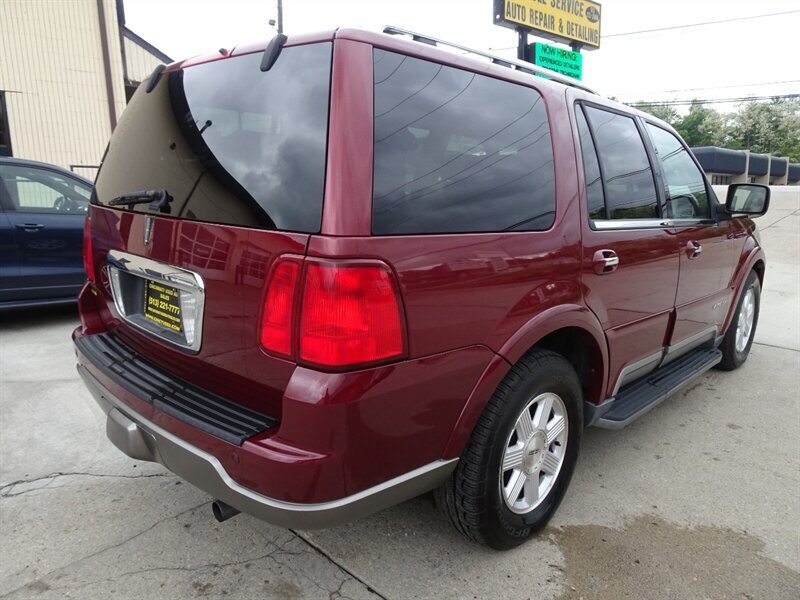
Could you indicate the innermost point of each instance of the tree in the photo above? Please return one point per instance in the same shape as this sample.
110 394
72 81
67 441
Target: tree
702 126
665 112
771 127
768 127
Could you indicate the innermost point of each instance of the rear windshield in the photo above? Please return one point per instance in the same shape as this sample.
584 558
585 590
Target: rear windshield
229 143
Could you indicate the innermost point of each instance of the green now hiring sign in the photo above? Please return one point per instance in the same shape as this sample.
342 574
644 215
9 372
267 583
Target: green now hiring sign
559 60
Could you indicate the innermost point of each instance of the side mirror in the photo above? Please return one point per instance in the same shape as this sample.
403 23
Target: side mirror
747 199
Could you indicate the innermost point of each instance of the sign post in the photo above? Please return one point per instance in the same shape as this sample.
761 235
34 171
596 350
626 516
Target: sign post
565 21
573 22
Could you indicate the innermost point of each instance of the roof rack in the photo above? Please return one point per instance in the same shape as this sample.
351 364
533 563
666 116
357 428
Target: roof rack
511 63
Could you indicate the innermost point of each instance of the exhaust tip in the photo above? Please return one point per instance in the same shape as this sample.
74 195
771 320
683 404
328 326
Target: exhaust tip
223 512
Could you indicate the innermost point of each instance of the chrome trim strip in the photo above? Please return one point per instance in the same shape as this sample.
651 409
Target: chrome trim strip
691 222
603 423
177 277
690 343
607 224
637 369
206 472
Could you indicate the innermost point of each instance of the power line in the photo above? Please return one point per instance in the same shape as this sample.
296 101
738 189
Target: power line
714 87
787 12
716 100
687 25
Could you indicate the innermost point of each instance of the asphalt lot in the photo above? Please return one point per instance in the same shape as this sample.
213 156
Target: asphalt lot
698 499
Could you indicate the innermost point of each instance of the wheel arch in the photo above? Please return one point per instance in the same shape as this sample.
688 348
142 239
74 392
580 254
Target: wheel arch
571 331
753 261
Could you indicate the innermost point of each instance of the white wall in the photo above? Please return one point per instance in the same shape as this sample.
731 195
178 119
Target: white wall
139 62
51 70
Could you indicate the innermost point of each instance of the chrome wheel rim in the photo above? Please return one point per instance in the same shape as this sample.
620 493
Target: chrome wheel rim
744 326
534 453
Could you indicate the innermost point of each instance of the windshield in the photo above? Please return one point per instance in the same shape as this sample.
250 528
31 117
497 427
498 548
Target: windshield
228 142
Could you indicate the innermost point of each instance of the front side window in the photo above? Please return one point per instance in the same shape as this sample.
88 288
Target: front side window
629 185
458 152
34 190
687 197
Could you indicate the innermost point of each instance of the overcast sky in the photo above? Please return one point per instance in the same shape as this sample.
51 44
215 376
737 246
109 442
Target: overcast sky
752 57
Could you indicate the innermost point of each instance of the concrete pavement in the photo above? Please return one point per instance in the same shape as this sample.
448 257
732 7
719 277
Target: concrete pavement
698 499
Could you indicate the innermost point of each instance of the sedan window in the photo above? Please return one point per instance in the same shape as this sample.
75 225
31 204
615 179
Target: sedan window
35 190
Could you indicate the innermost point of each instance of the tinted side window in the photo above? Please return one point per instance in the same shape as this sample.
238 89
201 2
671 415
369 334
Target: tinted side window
687 197
458 152
33 190
591 169
629 184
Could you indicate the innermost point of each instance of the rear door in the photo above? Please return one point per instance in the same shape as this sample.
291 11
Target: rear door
707 248
45 211
630 254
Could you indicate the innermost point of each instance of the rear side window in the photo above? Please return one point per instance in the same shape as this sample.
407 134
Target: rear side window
630 189
687 197
230 143
591 169
458 152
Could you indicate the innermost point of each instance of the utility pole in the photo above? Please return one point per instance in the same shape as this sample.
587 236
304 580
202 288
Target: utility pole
280 16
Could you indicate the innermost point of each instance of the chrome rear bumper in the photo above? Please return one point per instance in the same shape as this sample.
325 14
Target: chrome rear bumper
142 440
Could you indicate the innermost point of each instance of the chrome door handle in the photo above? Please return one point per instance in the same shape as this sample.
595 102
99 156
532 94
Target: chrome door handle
605 261
693 249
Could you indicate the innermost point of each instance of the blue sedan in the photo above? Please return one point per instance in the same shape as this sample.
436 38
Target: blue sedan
42 210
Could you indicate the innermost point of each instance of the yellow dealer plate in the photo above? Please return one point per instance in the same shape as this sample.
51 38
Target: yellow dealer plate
162 305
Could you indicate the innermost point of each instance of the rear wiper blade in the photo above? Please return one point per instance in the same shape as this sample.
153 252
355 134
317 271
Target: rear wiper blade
157 199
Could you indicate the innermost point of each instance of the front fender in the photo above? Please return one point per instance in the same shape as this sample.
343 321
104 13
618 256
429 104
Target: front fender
752 253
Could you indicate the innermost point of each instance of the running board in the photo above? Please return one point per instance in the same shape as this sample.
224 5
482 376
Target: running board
639 397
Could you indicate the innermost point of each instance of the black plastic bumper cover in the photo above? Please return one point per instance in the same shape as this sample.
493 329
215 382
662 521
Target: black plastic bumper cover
197 407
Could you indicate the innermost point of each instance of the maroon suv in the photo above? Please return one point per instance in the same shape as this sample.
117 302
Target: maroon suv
337 272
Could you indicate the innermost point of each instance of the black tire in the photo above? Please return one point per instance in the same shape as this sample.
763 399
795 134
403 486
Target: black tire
472 497
731 357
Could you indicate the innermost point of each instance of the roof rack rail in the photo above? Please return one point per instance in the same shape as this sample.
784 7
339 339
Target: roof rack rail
510 63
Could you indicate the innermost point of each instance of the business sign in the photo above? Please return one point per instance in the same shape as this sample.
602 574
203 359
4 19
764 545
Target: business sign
566 21
557 59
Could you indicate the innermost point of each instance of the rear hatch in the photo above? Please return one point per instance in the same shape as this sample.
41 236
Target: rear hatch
209 176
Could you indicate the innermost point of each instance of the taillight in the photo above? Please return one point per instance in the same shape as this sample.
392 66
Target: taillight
347 314
350 314
88 259
278 309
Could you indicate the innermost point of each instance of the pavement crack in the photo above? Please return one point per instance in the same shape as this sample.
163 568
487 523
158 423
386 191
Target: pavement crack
211 565
776 346
370 588
6 489
111 547
337 593
791 214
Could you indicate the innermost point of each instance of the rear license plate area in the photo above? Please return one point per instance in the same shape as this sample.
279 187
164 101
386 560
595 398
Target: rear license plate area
163 300
162 305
